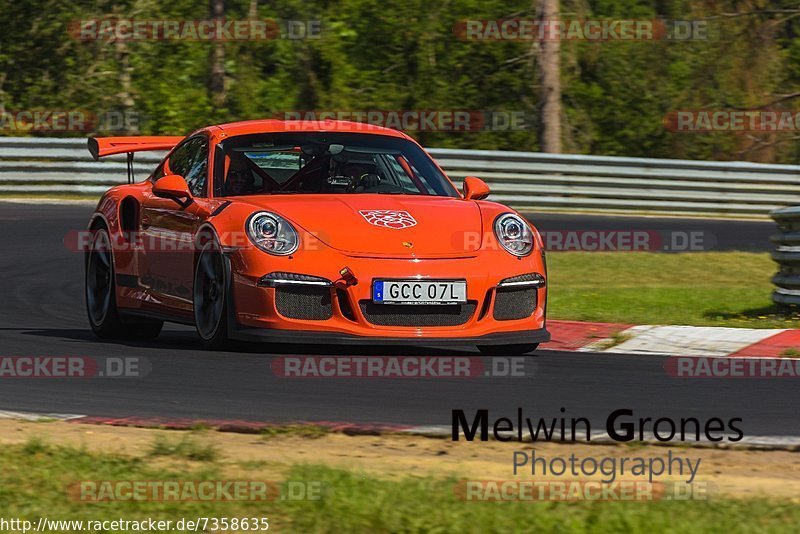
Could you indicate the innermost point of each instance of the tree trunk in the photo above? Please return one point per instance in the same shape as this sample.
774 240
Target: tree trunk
125 96
125 103
2 93
217 81
550 86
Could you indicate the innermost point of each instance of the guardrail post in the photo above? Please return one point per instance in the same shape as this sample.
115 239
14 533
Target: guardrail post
787 255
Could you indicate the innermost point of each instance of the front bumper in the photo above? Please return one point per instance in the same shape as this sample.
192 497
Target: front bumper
350 318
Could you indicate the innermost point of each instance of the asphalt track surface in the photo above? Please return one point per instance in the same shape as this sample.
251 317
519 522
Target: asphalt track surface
42 314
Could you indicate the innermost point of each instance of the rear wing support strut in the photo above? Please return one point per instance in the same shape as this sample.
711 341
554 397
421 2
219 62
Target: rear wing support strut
130 167
100 147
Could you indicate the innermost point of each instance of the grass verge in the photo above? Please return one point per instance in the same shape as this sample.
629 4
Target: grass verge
301 431
186 446
36 474
702 289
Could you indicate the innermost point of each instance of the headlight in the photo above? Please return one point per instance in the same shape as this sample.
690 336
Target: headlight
514 234
272 233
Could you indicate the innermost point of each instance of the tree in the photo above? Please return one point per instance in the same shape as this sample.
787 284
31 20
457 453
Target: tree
550 86
217 82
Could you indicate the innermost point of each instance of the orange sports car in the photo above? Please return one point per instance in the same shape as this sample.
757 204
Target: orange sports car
312 232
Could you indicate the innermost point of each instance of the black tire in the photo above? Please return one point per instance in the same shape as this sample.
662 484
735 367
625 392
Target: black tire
101 296
210 292
508 350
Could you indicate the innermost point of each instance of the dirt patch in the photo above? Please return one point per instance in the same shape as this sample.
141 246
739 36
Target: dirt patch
733 473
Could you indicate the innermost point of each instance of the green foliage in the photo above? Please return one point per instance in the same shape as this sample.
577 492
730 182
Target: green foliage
405 55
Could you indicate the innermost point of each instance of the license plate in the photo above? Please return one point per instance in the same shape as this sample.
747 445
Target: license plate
419 292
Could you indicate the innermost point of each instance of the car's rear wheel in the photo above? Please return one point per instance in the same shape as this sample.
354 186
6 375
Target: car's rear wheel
508 350
211 296
101 299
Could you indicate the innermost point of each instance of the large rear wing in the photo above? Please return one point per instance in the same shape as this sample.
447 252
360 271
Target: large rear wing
100 147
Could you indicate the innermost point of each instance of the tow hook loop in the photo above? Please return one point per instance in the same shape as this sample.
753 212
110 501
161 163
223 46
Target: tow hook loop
347 279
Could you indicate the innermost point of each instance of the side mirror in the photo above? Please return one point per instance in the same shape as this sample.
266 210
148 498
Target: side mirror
475 188
173 187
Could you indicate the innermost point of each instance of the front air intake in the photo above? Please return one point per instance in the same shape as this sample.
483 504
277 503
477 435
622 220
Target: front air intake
311 303
417 314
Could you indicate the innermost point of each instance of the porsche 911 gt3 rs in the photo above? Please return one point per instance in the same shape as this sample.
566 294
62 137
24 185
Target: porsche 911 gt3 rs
329 232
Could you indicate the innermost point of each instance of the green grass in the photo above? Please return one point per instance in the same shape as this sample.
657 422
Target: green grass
368 505
186 446
704 289
35 476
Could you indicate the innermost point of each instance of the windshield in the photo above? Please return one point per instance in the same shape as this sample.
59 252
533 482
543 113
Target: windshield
323 162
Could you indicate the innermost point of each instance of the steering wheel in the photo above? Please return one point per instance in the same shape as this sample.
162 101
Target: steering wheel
364 182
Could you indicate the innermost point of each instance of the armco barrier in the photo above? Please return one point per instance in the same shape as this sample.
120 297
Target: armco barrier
531 181
46 166
787 254
525 180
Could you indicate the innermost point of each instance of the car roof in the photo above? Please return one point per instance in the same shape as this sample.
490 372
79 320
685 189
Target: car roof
275 126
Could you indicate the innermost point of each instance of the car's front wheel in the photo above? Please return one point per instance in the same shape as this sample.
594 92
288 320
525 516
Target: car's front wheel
508 350
101 298
211 296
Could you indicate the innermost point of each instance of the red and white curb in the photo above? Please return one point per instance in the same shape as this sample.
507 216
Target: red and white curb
240 426
789 443
673 340
31 416
778 443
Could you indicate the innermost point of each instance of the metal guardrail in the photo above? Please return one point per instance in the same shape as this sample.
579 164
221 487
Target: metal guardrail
46 166
532 181
787 255
525 180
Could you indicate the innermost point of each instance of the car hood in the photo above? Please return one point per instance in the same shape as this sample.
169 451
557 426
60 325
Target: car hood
373 225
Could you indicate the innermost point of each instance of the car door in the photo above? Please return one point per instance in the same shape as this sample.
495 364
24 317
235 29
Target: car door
169 228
